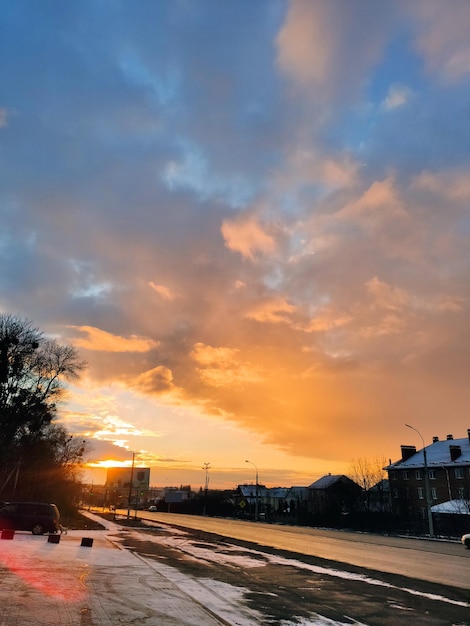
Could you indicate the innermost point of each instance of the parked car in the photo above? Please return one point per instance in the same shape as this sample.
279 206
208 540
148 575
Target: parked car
38 517
152 508
466 540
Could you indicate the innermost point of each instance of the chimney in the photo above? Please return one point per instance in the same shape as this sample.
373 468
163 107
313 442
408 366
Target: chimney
407 452
455 452
436 439
450 437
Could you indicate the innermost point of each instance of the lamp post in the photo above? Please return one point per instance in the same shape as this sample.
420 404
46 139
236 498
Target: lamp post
206 467
426 482
256 493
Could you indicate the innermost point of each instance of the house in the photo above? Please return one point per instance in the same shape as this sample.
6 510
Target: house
276 500
297 498
447 465
333 496
251 499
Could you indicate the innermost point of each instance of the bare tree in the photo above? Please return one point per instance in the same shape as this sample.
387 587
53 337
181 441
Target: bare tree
34 371
369 473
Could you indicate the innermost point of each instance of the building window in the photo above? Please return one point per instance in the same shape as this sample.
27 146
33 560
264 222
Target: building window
405 475
434 493
422 512
420 493
395 493
419 475
432 474
458 472
461 493
393 475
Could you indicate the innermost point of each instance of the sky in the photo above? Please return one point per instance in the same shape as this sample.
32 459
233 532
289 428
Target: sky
251 219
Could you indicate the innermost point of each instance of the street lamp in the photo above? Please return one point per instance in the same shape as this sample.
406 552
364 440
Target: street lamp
206 467
256 496
426 483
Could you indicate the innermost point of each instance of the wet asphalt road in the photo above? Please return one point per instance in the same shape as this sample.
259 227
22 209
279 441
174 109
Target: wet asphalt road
442 562
282 585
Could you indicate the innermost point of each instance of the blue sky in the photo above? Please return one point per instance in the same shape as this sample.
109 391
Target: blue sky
251 218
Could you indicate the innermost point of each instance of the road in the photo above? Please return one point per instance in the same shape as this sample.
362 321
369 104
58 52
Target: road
441 562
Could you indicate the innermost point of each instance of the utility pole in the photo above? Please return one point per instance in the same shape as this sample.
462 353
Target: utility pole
129 498
257 490
426 483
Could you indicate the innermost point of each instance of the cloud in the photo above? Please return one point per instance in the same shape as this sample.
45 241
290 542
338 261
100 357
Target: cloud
316 41
398 96
272 310
379 203
207 355
102 449
386 297
162 291
222 367
155 381
246 236
100 340
326 320
450 185
442 37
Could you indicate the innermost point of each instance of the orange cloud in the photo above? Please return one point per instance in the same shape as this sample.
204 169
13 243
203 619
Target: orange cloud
162 291
327 320
273 310
100 340
380 201
155 381
207 355
246 236
305 47
385 296
222 367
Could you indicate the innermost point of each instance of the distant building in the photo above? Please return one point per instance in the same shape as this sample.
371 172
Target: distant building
333 496
448 470
249 497
175 494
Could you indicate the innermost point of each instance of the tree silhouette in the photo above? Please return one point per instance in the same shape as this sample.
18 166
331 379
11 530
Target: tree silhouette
33 374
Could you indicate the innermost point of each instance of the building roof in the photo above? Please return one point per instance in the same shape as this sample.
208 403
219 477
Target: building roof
381 486
456 507
325 482
278 492
249 491
438 455
298 492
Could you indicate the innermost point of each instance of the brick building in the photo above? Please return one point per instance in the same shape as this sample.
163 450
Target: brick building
448 471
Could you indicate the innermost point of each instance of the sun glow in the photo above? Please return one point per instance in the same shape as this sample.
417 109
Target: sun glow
108 463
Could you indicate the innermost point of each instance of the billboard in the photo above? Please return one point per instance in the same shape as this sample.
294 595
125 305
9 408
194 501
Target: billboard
119 478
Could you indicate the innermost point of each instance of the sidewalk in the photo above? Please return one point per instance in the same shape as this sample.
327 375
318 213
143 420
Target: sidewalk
65 584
